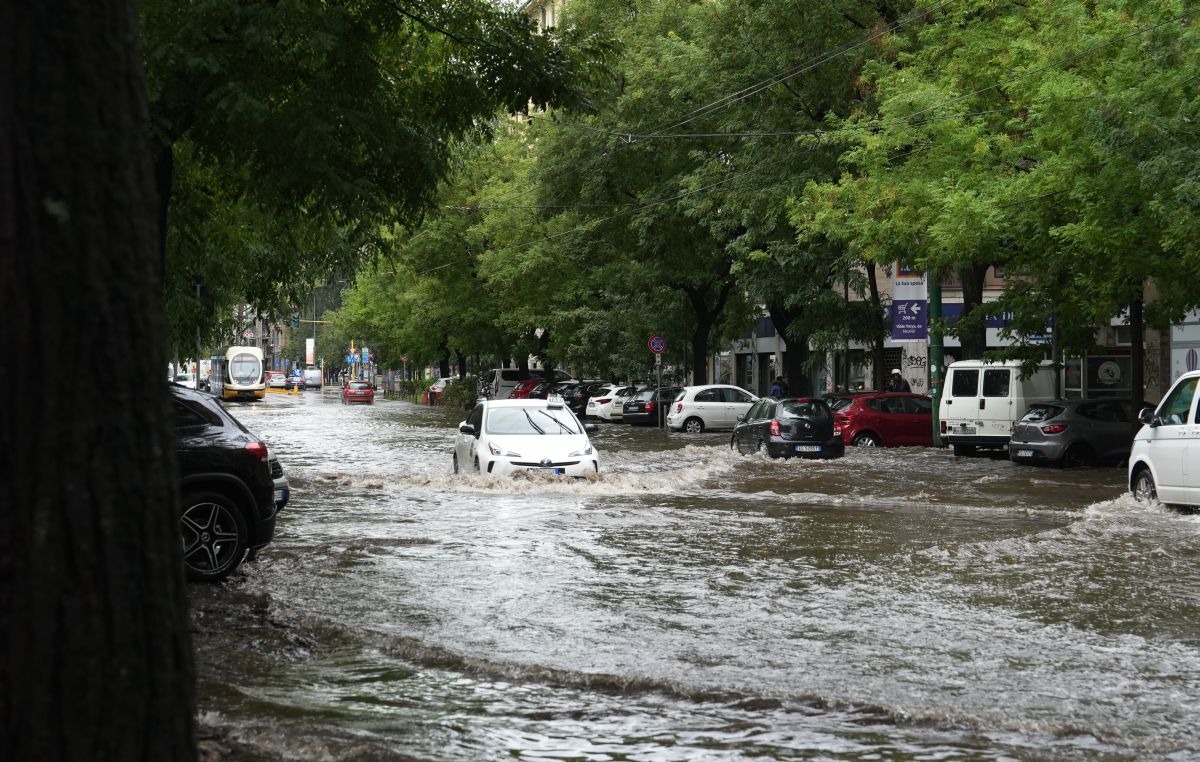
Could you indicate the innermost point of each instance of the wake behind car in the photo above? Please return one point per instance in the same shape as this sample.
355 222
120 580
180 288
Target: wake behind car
230 488
503 437
791 427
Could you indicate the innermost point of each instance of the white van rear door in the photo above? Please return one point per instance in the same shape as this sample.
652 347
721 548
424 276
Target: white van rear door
959 405
996 402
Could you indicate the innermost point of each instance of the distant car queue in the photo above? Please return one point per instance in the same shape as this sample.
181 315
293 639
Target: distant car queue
986 406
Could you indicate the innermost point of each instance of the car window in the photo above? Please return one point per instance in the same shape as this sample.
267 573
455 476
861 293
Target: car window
815 410
360 385
1175 408
531 421
964 383
736 395
841 403
708 395
643 395
917 406
1039 413
996 382
476 418
186 416
755 411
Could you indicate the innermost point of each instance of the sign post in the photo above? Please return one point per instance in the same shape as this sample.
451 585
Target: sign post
658 346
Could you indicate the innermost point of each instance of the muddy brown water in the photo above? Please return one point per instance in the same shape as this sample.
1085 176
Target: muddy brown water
694 604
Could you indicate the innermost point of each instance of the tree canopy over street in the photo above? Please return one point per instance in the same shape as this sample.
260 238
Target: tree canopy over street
788 154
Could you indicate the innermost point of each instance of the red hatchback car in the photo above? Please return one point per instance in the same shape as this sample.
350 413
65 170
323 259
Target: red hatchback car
522 390
884 419
358 391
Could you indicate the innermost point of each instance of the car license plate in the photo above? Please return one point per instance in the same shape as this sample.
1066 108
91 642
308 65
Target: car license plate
1024 453
965 429
808 448
559 471
280 495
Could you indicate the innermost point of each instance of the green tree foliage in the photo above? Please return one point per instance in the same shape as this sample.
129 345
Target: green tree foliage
289 133
1055 139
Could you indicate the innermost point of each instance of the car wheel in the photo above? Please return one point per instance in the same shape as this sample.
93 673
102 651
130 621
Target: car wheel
1078 456
1144 490
454 462
962 451
693 425
214 536
870 440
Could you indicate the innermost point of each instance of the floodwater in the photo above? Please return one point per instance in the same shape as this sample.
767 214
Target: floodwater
694 604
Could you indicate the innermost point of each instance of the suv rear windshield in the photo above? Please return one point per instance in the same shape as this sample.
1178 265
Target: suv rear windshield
1039 413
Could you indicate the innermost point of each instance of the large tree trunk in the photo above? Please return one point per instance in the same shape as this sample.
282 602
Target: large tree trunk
95 656
706 310
797 355
1137 359
973 340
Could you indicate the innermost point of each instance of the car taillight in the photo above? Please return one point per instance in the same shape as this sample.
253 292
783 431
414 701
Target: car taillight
943 426
679 408
604 401
1054 428
258 449
649 406
774 428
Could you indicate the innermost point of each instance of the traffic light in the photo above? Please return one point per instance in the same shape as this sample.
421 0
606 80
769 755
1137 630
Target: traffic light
295 320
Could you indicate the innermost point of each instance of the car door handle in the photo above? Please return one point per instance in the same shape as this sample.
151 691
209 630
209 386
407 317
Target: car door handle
982 404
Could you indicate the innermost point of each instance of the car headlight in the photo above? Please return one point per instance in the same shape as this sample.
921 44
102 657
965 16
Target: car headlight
495 450
578 453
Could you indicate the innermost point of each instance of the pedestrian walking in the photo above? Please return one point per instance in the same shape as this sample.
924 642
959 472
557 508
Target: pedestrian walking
777 387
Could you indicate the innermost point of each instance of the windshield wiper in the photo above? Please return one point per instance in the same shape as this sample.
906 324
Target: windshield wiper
531 423
564 426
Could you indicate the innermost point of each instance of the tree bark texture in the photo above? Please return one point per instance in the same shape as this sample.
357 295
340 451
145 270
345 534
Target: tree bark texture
95 657
798 353
973 339
877 369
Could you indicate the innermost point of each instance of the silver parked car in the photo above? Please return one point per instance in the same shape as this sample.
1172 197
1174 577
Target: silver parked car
1072 433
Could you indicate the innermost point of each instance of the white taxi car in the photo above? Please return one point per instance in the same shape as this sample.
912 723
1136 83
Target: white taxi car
1164 464
503 437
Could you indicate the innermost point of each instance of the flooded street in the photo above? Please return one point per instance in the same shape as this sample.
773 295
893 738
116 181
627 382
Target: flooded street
695 604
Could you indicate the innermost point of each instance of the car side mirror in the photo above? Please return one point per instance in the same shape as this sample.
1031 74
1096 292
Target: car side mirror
590 427
741 418
1148 417
465 428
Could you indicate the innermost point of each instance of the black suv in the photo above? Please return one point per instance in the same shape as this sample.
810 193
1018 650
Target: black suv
229 495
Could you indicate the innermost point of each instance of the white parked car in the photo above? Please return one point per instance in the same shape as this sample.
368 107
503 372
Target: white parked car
1164 464
506 436
607 402
185 379
713 406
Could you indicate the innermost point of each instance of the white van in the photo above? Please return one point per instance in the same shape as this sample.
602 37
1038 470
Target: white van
982 402
312 377
1165 461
